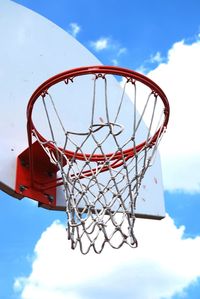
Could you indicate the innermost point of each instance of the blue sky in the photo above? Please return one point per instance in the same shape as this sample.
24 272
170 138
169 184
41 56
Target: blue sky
160 39
143 28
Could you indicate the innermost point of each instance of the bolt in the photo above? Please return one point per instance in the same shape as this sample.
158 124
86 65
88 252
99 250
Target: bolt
22 188
50 198
24 163
50 174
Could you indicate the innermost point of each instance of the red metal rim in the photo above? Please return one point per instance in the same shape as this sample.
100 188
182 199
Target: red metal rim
113 70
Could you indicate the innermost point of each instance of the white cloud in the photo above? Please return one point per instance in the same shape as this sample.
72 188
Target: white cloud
180 147
121 51
141 69
19 284
156 58
101 44
115 62
114 47
161 264
74 29
179 78
104 43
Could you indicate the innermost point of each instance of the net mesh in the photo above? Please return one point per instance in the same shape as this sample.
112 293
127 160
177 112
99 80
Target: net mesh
101 188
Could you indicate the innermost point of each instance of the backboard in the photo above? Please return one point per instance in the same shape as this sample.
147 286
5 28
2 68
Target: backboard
32 50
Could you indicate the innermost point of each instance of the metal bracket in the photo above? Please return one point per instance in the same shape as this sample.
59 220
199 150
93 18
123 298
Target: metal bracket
38 183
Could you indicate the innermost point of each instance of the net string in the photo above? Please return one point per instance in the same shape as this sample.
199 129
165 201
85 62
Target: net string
100 210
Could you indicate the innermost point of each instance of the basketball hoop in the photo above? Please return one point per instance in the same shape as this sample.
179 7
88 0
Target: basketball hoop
101 186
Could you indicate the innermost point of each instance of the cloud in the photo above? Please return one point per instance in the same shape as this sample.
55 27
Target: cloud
156 58
180 147
160 263
115 62
74 29
106 43
142 69
101 44
179 77
121 51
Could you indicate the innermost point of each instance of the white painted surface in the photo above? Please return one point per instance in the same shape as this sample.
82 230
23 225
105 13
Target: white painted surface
32 50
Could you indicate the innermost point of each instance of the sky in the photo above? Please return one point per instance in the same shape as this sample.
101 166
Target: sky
161 39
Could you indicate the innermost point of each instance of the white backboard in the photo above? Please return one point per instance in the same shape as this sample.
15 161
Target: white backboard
32 50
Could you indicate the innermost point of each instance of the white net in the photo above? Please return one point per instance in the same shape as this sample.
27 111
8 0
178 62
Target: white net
101 188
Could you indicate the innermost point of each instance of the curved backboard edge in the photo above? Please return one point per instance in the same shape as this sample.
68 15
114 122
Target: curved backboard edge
8 190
